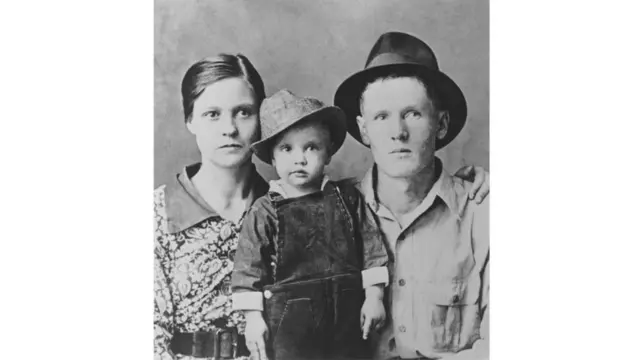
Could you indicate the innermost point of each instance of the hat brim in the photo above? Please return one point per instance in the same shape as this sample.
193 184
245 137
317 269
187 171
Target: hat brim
348 96
332 116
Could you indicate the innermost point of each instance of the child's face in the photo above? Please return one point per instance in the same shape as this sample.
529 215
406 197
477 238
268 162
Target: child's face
300 155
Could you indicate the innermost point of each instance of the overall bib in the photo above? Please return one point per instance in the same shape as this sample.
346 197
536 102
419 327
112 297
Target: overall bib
313 306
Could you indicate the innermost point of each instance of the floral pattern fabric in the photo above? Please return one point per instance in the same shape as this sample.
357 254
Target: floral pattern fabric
192 278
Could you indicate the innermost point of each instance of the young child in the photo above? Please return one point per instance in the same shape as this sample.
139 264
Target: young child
310 246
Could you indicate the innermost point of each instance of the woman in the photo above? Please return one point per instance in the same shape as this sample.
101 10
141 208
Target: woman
199 213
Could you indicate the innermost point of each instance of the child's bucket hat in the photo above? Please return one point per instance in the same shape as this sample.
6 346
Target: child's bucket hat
285 109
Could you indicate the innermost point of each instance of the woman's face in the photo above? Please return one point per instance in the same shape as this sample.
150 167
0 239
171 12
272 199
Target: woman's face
225 122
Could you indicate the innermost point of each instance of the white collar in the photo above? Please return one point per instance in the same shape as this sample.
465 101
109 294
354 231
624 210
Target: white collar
276 186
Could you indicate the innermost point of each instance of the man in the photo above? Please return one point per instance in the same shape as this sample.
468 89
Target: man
405 109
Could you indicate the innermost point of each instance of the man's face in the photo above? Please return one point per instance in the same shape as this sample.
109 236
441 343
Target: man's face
399 123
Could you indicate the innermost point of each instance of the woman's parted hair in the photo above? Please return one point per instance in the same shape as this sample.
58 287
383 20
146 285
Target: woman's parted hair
213 69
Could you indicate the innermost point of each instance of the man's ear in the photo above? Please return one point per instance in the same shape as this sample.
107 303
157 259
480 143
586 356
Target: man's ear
443 124
363 130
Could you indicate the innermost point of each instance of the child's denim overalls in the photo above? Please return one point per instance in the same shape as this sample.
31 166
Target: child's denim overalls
313 306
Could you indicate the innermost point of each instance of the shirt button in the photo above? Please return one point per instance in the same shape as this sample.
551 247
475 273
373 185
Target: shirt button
268 294
401 282
402 328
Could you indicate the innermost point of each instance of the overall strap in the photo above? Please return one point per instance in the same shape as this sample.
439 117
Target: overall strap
274 254
274 197
347 190
350 195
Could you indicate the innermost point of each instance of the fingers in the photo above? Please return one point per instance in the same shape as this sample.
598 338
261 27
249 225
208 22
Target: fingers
477 183
366 327
464 172
258 351
253 350
262 350
255 334
483 192
481 187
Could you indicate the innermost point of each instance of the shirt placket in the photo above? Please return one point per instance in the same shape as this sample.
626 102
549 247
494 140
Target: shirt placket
401 295
404 302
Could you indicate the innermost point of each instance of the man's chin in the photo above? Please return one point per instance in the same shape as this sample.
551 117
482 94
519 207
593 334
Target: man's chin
231 161
399 168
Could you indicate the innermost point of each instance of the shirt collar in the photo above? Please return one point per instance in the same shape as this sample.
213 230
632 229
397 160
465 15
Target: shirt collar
186 208
445 188
276 186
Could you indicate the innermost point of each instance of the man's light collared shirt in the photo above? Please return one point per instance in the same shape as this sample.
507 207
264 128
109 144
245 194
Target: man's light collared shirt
439 285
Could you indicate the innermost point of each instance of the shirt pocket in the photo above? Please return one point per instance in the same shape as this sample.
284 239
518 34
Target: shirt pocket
451 312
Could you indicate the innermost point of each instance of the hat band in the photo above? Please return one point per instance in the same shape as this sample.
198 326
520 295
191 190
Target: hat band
398 59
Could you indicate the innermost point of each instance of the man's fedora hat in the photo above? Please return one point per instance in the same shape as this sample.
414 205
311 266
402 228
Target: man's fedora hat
284 109
396 51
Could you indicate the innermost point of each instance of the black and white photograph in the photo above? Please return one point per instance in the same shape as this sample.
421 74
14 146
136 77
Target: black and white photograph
322 180
319 179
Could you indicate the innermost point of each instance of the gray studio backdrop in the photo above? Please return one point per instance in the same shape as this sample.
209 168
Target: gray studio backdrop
310 47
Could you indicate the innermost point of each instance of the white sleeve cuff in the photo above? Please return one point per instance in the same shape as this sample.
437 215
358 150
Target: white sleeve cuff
247 300
375 276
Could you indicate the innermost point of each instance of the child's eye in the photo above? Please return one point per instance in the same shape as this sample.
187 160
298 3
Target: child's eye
285 148
380 117
312 147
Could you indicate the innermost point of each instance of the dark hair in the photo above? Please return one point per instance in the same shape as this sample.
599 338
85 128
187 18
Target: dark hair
210 70
432 93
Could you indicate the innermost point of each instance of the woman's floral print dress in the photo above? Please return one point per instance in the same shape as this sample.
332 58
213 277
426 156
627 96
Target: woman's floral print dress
194 250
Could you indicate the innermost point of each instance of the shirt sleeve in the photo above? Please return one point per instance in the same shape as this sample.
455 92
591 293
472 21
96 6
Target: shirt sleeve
253 256
480 233
163 302
375 254
481 239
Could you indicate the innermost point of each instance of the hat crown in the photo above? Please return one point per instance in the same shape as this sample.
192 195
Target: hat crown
401 48
404 54
282 108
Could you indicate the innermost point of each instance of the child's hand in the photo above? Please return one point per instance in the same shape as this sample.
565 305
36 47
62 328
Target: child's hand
372 315
255 333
